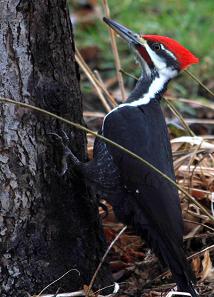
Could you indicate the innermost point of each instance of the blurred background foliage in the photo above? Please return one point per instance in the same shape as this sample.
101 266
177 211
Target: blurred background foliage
189 22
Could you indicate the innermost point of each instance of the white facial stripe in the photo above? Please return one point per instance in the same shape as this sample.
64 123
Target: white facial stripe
168 52
157 61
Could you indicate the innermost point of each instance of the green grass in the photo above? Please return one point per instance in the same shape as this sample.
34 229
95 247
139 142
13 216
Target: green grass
191 22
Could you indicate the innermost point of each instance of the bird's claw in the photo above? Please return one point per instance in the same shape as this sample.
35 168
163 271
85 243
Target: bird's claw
66 152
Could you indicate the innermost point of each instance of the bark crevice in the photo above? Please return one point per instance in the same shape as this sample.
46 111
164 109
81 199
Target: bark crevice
48 223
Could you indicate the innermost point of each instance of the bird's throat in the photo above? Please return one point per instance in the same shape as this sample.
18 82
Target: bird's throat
147 89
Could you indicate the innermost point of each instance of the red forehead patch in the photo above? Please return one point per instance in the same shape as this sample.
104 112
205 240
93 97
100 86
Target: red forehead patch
183 55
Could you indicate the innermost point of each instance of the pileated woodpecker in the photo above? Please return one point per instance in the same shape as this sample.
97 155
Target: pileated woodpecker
139 196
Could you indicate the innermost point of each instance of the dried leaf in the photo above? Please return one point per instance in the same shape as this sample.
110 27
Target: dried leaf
196 265
207 266
196 140
85 290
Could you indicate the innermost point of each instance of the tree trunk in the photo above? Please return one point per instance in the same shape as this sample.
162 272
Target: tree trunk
48 223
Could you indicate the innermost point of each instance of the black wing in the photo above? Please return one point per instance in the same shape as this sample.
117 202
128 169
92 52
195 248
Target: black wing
143 131
102 171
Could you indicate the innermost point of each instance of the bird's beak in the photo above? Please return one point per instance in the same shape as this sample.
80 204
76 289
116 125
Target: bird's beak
133 38
136 40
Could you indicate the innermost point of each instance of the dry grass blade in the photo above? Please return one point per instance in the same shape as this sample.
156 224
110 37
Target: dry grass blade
82 292
97 88
128 74
209 248
200 121
194 171
94 114
189 101
191 162
101 82
57 281
114 285
71 294
103 259
199 82
93 78
197 223
206 171
195 140
179 116
115 53
198 215
99 78
179 161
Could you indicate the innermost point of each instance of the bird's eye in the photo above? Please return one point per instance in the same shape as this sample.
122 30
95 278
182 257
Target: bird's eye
156 46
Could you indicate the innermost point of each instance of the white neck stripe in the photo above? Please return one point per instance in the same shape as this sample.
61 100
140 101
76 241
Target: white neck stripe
156 86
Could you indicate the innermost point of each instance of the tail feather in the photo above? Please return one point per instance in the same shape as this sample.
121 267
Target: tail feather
180 269
184 285
173 255
167 247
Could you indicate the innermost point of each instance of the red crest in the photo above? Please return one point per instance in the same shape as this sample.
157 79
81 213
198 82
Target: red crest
183 55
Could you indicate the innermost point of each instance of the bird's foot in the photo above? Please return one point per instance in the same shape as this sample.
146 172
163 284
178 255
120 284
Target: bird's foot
62 143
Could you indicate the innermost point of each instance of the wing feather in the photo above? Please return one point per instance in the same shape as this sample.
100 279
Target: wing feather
143 131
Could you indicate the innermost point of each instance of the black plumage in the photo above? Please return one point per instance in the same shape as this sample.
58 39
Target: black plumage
147 201
140 196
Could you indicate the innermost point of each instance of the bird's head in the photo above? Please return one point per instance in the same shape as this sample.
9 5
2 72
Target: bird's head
159 54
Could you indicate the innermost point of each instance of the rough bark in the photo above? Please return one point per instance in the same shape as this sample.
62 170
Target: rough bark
48 223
